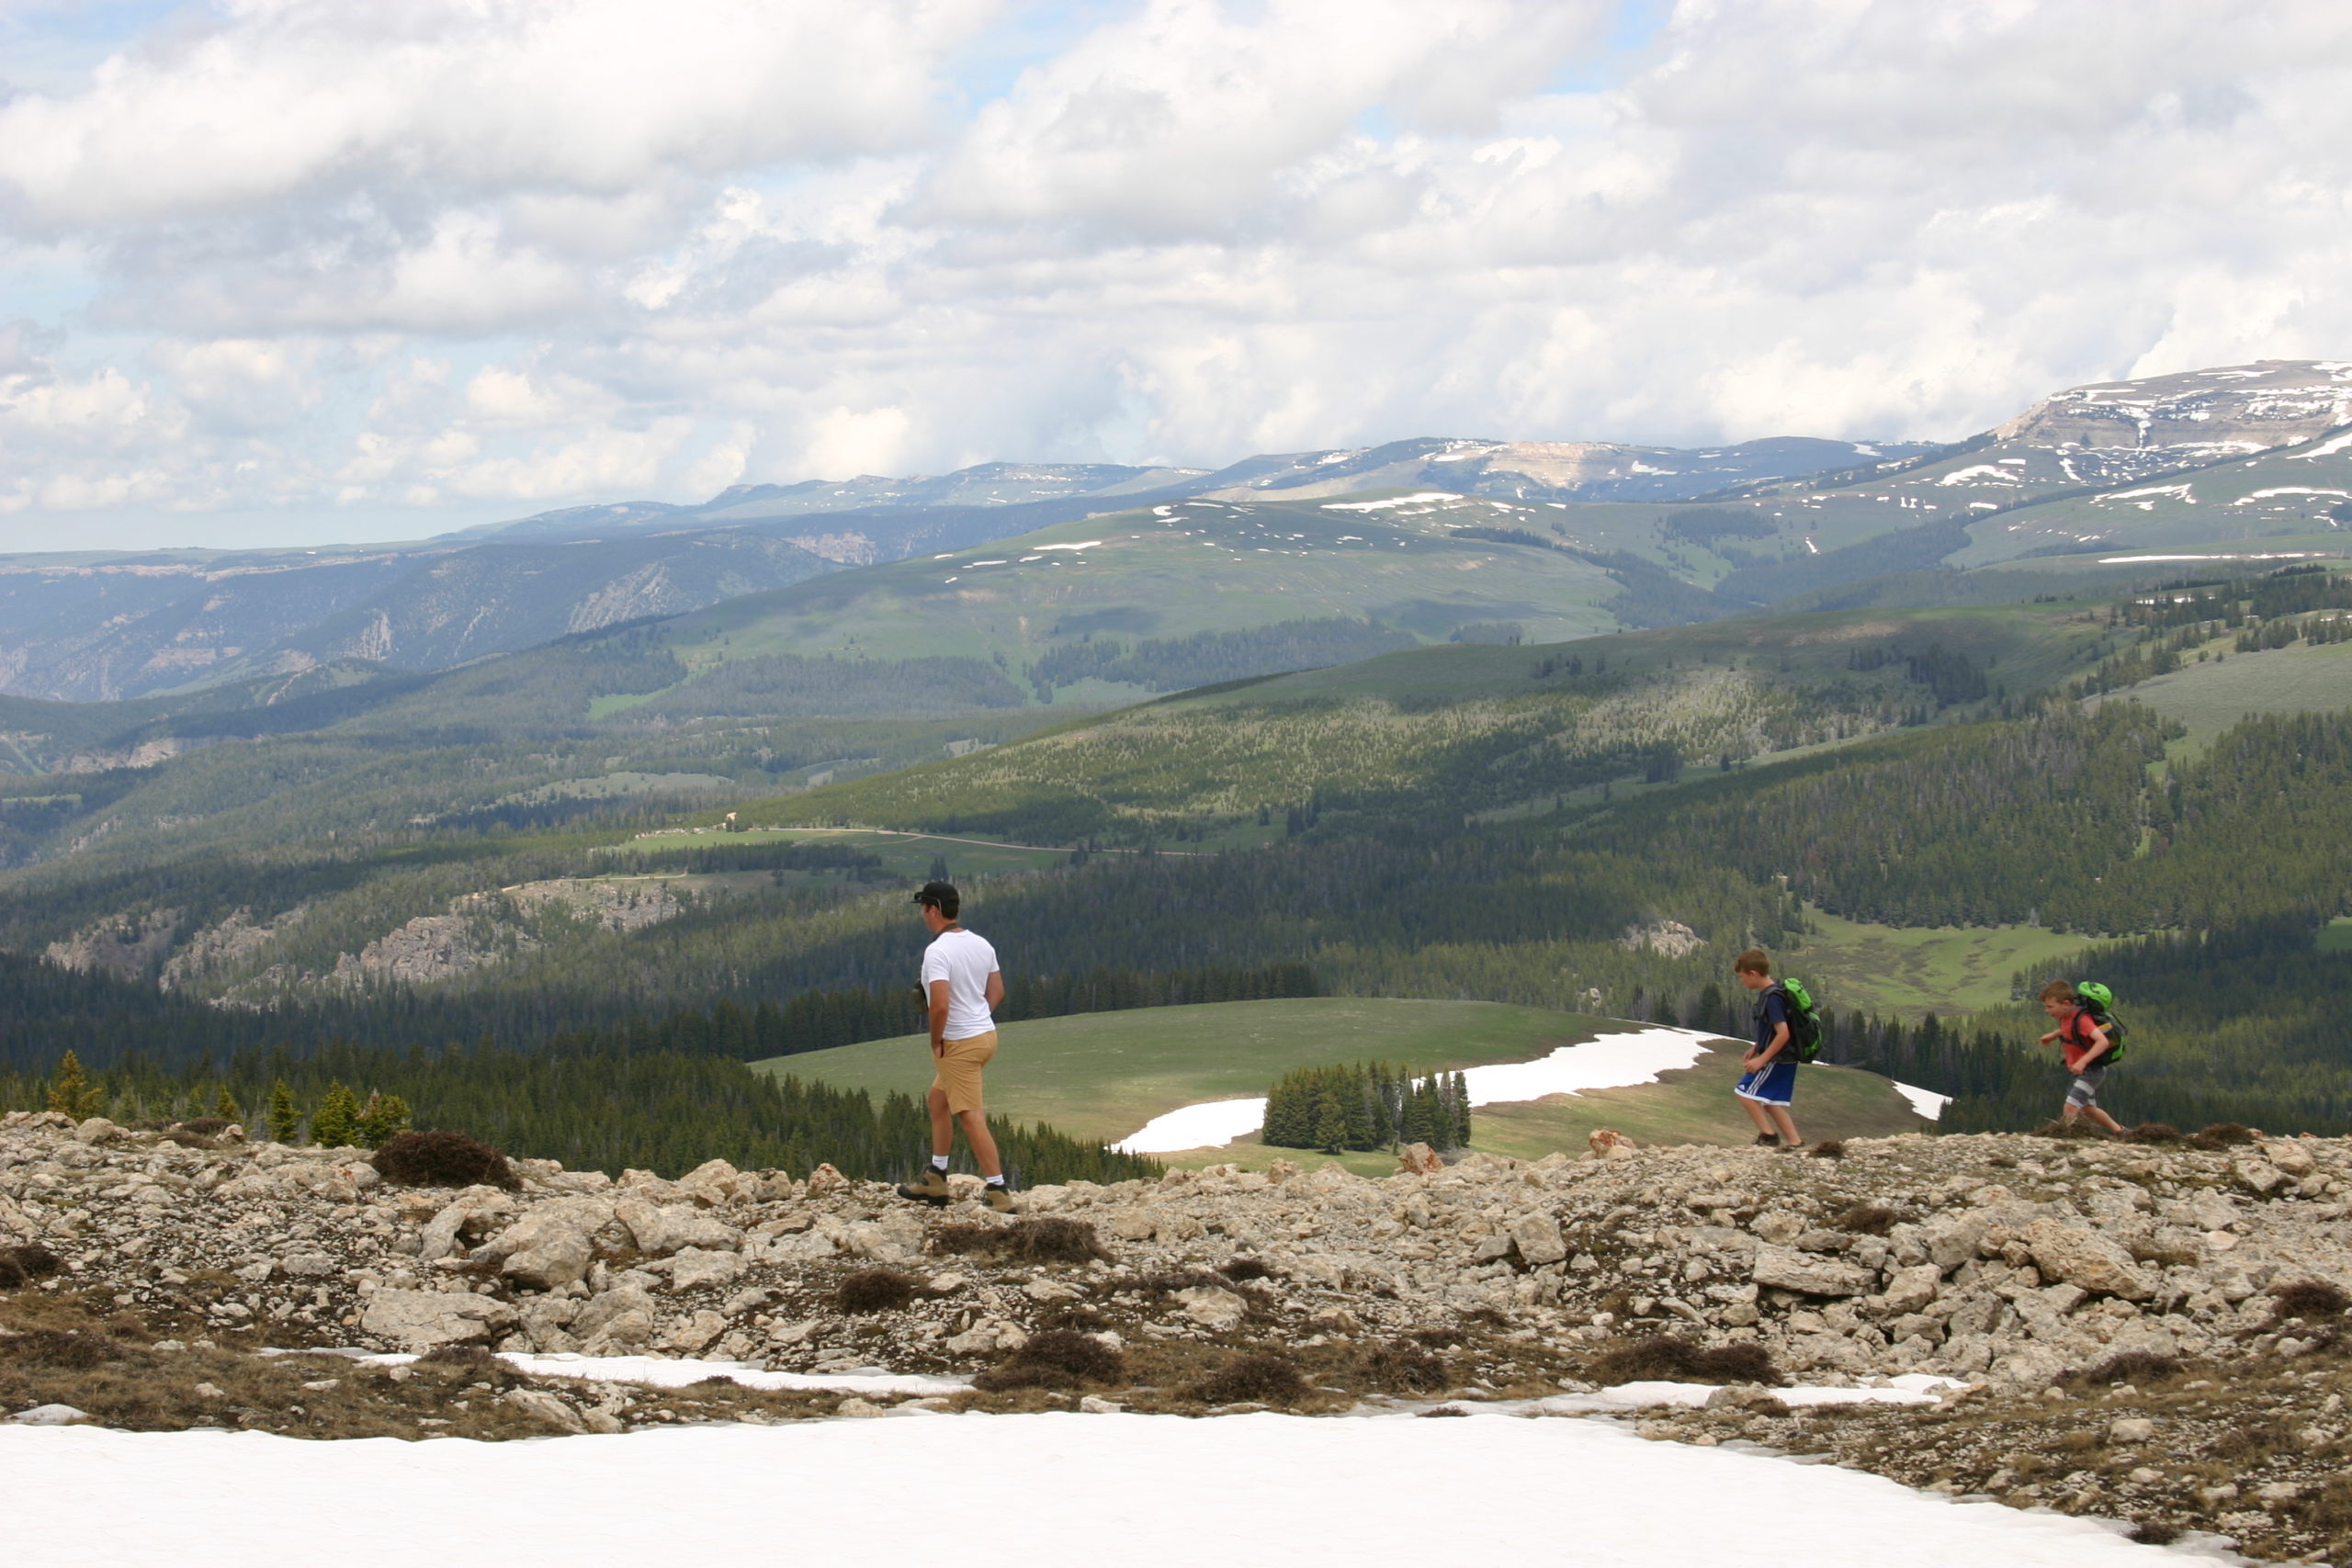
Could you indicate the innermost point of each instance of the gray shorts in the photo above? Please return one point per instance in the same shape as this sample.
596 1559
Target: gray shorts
2083 1092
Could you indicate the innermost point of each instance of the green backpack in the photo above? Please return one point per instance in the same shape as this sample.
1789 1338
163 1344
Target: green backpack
2099 1002
1805 1034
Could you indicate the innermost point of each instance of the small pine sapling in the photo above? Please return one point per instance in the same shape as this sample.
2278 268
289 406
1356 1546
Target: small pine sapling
225 1106
383 1115
72 1092
285 1115
336 1121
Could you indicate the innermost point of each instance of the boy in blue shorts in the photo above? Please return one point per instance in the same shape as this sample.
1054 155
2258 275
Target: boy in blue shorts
1770 1080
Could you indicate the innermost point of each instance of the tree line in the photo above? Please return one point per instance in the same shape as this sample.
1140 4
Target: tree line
1366 1105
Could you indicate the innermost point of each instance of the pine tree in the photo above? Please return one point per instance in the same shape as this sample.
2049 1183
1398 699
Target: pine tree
285 1116
383 1115
1331 1123
1461 1111
336 1121
72 1092
225 1106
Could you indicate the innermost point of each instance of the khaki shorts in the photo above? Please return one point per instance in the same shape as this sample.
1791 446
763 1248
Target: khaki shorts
957 1070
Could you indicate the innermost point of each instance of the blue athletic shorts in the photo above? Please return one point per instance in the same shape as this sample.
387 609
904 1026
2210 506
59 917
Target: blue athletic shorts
1774 1084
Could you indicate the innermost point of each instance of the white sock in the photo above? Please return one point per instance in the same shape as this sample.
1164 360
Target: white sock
996 1180
938 1162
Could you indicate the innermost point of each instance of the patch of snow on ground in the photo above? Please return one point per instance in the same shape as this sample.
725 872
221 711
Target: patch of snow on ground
678 1371
1611 1061
2271 555
1911 1388
1414 499
2328 448
999 1492
1925 1101
2289 490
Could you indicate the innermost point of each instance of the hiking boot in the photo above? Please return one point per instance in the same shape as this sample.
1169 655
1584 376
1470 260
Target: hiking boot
931 1189
1768 1140
997 1197
1795 1148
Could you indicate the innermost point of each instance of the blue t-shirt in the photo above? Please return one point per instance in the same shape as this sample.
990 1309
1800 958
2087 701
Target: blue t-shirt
1772 1011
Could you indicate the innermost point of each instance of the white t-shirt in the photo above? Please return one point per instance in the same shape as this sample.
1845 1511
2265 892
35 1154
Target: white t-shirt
964 961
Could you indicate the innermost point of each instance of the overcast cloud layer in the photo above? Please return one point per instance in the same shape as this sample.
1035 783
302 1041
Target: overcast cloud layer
306 269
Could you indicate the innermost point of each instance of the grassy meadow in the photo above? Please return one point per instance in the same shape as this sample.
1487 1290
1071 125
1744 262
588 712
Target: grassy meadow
1105 1075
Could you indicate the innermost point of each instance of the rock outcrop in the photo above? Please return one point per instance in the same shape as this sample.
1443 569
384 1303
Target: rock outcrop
2001 1260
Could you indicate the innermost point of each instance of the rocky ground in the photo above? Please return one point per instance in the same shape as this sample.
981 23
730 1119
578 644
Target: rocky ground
2155 1332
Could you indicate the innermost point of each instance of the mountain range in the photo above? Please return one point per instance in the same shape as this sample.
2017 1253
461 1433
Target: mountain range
106 625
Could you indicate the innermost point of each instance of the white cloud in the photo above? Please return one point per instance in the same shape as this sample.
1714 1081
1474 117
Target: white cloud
576 249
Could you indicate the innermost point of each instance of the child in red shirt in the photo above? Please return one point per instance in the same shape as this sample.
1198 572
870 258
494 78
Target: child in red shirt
2085 1046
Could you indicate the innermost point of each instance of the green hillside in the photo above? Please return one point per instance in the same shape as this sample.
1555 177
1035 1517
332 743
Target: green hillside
1105 1075
1479 728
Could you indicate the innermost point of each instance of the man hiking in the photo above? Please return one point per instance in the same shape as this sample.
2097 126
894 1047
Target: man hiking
1770 1068
962 989
2084 1044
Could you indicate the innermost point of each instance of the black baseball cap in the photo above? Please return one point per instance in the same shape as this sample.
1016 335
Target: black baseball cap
939 895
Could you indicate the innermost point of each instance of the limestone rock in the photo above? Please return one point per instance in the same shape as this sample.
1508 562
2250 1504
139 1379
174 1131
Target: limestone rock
2131 1429
551 1246
2085 1258
1538 1238
1812 1274
1212 1308
660 1231
1419 1159
695 1268
541 1405
1910 1290
1607 1142
694 1336
424 1320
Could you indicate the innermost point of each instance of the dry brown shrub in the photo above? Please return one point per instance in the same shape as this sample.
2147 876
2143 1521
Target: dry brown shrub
443 1159
207 1126
2308 1299
1441 1338
1444 1410
1401 1364
1830 1148
1241 1269
2155 1133
2220 1135
1056 1359
1048 1238
875 1290
62 1350
24 1265
2062 1129
2134 1366
1668 1358
1870 1219
1259 1378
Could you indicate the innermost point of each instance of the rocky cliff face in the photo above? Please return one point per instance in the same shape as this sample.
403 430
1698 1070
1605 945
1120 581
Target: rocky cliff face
2156 1333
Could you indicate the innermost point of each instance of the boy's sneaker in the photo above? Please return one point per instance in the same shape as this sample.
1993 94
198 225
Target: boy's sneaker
1795 1148
997 1196
1768 1140
931 1189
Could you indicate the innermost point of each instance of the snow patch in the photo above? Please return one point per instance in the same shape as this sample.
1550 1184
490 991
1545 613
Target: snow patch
1611 1061
1925 1101
1082 545
1416 499
2290 490
1982 473
1168 1492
